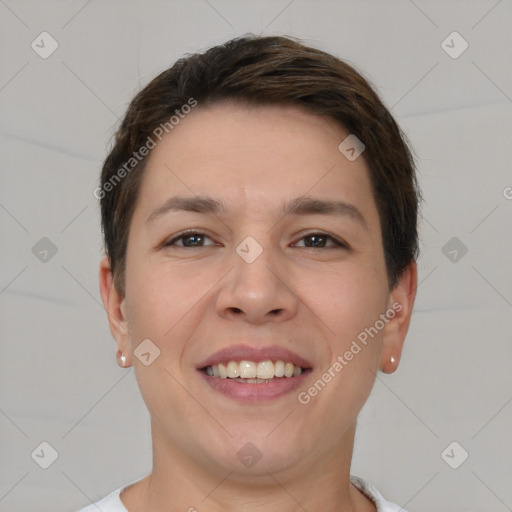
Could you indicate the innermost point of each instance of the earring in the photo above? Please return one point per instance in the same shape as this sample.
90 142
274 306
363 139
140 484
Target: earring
123 360
392 360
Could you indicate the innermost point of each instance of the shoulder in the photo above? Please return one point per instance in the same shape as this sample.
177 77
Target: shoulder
371 492
110 503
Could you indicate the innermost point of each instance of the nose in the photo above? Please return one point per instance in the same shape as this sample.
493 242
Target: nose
258 291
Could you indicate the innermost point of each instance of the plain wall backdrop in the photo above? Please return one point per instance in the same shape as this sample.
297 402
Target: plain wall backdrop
59 381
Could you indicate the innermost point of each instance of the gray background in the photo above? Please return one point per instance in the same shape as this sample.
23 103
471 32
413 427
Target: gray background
58 375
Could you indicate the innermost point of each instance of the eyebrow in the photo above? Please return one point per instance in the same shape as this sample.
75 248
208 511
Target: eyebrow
303 205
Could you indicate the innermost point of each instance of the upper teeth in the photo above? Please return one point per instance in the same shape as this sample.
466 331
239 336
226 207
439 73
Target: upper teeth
251 370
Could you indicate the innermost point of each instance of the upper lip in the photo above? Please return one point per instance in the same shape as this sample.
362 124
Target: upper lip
247 353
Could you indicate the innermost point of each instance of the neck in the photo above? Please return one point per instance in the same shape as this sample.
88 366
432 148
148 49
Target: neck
179 482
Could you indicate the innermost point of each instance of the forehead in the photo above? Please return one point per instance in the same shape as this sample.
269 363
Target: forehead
261 156
234 131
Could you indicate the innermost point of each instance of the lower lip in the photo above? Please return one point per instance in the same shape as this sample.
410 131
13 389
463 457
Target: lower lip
255 392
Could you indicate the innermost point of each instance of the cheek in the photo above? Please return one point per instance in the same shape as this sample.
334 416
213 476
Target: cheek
348 299
349 303
162 305
167 303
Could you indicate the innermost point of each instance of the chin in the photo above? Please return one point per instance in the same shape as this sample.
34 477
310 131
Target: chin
256 455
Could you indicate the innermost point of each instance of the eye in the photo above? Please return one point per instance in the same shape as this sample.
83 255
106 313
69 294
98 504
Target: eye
319 240
190 239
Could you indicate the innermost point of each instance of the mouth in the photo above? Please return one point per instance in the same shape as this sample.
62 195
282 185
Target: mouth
248 374
252 372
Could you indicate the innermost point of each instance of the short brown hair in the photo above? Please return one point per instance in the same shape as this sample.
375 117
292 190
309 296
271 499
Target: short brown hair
265 71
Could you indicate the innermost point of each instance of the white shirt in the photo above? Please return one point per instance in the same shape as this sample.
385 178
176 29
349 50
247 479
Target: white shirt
113 503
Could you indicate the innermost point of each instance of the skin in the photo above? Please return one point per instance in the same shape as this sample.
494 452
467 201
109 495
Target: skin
192 302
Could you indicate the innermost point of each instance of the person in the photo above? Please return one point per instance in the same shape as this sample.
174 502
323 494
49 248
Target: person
259 209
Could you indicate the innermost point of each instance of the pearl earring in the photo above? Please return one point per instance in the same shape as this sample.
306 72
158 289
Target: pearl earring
123 360
392 360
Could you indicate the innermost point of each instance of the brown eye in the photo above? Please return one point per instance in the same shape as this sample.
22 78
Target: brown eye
319 241
189 240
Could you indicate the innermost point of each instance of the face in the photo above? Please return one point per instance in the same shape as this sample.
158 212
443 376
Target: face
281 264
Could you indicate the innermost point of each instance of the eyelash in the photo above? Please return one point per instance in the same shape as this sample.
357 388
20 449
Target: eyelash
338 244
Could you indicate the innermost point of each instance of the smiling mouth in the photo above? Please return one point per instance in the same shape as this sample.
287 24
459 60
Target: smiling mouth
250 372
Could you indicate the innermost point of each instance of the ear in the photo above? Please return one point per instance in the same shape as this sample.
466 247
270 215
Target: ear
401 301
115 306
